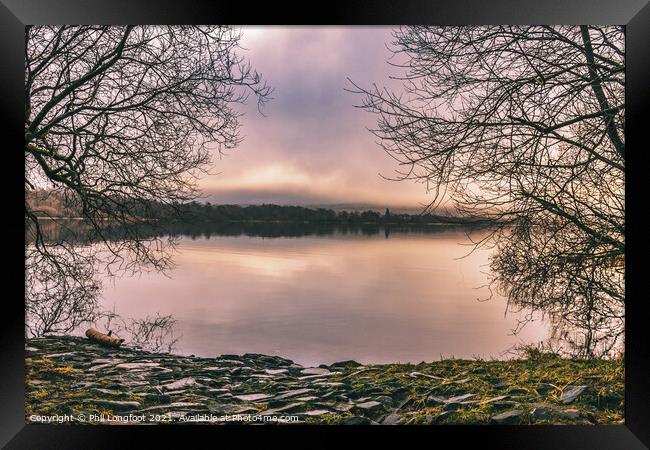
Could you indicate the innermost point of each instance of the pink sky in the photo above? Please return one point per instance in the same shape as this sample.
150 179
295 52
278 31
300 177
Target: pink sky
311 146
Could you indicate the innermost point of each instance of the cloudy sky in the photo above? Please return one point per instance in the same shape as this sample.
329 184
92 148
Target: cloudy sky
312 146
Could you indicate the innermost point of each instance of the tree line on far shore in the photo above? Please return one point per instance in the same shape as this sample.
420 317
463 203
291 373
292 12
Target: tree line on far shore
49 204
195 211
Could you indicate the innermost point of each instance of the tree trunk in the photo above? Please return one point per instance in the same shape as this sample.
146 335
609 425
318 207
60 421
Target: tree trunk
103 339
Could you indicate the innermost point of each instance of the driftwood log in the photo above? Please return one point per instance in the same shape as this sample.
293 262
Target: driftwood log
103 339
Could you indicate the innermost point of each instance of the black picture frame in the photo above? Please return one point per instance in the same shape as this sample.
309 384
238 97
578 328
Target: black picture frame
635 14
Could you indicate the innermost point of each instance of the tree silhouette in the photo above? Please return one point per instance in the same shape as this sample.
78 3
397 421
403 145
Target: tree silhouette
118 118
523 125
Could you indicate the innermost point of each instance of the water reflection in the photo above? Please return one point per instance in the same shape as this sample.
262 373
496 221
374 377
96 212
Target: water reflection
370 294
79 231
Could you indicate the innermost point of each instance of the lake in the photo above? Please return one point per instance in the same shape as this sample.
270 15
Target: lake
375 297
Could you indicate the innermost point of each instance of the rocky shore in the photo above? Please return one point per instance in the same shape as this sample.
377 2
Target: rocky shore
72 380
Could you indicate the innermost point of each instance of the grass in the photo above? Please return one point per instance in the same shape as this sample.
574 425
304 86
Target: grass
534 382
57 396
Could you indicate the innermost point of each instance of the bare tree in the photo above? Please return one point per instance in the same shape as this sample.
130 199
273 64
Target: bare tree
117 119
523 125
61 288
155 333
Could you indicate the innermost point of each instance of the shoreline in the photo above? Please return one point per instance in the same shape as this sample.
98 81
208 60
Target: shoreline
71 379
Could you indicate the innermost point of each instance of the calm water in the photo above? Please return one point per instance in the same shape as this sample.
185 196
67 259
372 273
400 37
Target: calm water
320 299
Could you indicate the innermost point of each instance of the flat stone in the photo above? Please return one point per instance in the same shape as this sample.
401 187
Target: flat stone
357 420
357 372
495 399
140 365
540 413
570 393
315 371
343 407
112 392
116 405
171 406
450 403
233 362
315 412
60 355
345 364
157 398
460 398
276 371
222 409
182 383
215 369
217 390
368 405
252 397
444 414
385 399
452 406
185 405
434 399
286 408
392 419
313 377
569 414
507 417
175 415
268 359
177 392
136 383
420 374
100 367
240 370
293 393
